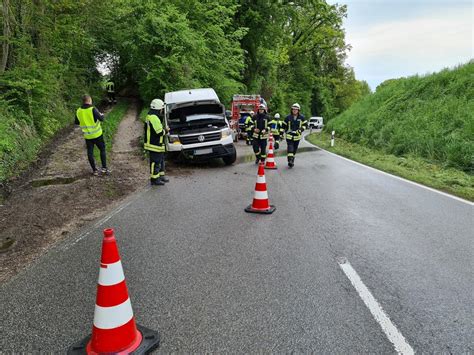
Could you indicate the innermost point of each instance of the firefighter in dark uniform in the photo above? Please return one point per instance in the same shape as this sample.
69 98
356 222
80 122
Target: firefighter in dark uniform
275 125
260 128
248 127
155 142
294 125
110 87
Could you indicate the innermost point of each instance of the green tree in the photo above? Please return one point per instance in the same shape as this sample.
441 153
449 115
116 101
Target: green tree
166 46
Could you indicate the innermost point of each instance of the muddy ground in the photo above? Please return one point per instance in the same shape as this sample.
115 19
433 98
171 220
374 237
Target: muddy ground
60 195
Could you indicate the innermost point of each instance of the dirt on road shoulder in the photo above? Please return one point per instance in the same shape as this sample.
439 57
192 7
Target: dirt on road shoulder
61 195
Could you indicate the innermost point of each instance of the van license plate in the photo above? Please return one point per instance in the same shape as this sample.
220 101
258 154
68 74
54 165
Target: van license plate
203 151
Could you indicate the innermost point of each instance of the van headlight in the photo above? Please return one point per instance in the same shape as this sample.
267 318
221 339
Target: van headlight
226 133
174 139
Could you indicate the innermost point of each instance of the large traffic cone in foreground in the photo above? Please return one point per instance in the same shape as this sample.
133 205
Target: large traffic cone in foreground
260 202
270 162
114 330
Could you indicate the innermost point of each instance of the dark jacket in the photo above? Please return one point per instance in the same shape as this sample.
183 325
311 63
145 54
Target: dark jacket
260 121
154 132
294 126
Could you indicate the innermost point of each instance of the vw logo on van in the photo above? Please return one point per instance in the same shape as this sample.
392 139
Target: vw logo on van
201 138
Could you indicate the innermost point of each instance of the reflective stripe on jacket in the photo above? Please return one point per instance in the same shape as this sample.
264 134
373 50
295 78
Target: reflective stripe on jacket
248 123
294 127
275 126
261 122
90 128
154 134
110 86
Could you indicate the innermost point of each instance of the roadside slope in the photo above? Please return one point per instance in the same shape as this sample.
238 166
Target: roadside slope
431 117
61 196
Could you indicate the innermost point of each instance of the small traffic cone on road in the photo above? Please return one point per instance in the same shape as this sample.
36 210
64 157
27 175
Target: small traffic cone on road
260 202
270 162
114 330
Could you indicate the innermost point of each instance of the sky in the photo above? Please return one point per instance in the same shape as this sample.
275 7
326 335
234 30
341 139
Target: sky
398 38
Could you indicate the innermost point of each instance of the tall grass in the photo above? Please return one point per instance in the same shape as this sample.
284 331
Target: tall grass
112 121
430 117
110 126
19 141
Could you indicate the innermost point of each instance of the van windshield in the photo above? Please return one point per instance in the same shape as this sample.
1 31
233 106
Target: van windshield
197 115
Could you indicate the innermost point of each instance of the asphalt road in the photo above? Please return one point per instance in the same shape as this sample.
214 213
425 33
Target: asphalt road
211 277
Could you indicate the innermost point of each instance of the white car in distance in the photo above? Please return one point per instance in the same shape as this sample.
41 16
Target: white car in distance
316 123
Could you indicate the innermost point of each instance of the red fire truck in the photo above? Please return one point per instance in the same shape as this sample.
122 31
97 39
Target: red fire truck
241 107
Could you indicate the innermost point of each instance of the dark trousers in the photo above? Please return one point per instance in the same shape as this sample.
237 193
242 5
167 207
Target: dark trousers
249 137
111 96
99 142
260 148
276 137
292 149
157 165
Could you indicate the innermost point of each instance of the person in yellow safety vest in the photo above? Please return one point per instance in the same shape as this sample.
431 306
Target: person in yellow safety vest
260 130
89 118
155 142
110 87
294 125
275 125
248 127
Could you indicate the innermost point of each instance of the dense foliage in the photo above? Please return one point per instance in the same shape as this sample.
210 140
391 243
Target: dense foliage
48 61
430 117
286 51
295 52
169 45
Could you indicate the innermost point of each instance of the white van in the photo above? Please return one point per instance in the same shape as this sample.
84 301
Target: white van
315 123
199 129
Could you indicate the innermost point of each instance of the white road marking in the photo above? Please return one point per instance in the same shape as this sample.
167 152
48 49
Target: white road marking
390 330
393 176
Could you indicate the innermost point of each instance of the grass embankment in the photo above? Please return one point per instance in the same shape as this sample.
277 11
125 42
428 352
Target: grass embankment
27 127
143 113
431 117
410 167
19 142
111 123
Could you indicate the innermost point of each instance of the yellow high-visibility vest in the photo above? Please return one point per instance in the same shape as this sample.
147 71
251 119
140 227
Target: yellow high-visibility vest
90 128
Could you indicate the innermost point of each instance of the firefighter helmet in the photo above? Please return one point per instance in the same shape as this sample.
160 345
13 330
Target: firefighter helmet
157 104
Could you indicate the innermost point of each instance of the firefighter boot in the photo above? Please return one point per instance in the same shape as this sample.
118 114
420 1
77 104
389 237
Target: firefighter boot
157 182
291 162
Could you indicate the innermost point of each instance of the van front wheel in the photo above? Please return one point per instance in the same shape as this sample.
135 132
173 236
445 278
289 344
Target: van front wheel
230 159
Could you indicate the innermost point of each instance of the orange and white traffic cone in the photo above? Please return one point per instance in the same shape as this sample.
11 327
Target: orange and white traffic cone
114 330
260 202
270 162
